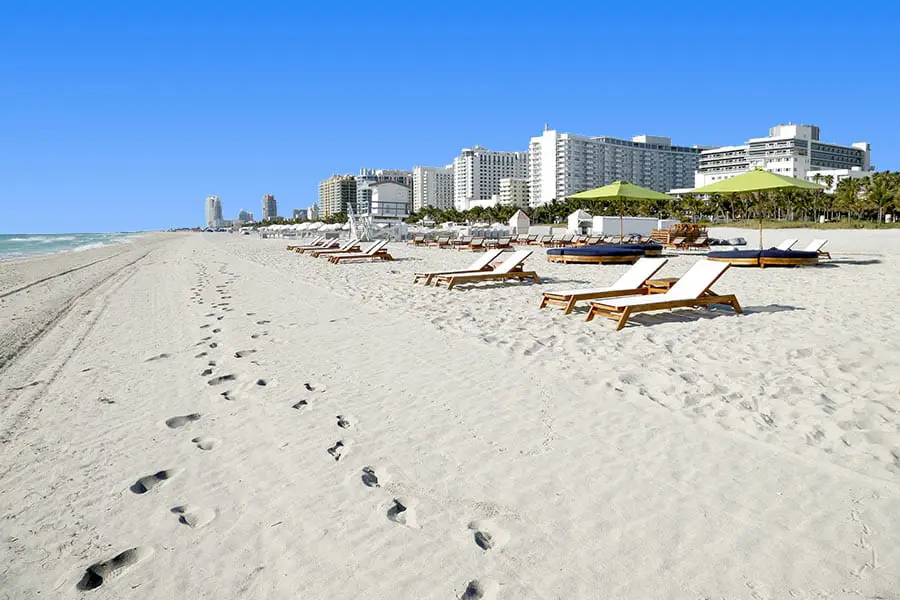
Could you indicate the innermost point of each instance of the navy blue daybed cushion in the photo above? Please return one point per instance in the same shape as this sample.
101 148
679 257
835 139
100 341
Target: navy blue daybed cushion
773 253
737 254
599 250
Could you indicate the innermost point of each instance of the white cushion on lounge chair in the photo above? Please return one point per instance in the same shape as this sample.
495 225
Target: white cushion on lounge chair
690 286
815 246
786 244
632 279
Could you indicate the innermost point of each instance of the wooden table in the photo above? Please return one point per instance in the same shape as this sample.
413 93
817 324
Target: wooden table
661 285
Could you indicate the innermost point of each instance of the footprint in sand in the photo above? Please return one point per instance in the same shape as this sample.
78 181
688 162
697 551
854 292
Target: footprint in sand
219 318
148 482
488 535
204 326
201 355
211 363
176 422
210 314
243 353
261 382
300 404
314 387
263 322
227 395
158 357
214 345
221 379
481 589
403 511
337 450
217 330
206 372
373 477
194 517
108 570
342 422
205 442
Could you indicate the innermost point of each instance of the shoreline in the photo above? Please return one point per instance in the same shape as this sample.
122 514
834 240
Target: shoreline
39 238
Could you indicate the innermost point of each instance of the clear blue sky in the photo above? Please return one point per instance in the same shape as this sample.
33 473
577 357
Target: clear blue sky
120 117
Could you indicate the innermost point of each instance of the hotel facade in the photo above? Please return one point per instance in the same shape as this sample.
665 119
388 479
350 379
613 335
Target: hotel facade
562 164
792 150
432 186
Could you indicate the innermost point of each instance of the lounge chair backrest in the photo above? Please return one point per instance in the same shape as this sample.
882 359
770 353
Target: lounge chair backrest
484 260
641 271
504 241
331 243
349 244
786 244
515 259
594 239
532 237
815 245
569 238
697 280
557 238
375 247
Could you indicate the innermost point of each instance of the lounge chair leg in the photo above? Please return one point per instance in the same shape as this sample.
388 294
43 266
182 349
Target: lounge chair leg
543 302
623 319
451 283
736 306
570 305
536 278
590 315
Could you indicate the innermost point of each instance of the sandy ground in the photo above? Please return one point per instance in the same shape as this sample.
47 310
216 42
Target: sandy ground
235 421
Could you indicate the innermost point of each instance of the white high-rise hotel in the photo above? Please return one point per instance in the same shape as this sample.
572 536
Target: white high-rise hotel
477 173
792 150
432 186
562 164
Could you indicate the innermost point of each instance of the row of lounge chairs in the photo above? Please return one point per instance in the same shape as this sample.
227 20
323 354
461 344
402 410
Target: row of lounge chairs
633 292
350 250
814 246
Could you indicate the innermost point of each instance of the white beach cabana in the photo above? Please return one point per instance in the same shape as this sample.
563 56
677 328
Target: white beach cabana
580 222
519 222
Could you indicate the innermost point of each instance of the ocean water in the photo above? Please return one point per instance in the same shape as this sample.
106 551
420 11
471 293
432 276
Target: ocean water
25 245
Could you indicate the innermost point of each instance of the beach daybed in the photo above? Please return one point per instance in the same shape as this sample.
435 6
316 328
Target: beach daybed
603 253
508 269
375 251
482 264
765 258
632 282
692 290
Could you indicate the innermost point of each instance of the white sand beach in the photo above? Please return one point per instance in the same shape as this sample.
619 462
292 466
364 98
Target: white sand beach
245 422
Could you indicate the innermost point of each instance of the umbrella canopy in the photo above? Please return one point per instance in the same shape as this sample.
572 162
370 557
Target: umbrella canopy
620 190
757 180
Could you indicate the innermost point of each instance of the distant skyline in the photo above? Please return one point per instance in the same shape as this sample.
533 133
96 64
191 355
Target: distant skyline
126 117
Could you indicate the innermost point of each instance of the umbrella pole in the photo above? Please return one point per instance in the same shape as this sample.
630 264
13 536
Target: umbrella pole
621 227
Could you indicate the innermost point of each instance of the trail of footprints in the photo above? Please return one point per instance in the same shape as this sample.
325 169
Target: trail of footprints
486 535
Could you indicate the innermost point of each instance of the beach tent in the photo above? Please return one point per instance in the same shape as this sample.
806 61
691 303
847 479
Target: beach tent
519 222
579 222
757 181
620 191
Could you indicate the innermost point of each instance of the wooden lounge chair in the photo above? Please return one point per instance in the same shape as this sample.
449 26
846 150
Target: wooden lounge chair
531 239
444 242
334 243
631 283
816 246
482 264
375 251
591 240
439 241
475 244
676 242
313 242
786 244
521 238
506 270
692 290
417 240
351 245
504 242
460 241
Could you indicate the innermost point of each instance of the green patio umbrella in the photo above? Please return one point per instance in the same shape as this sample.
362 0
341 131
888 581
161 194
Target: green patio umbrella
619 191
757 180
